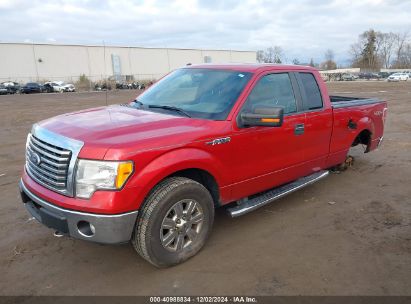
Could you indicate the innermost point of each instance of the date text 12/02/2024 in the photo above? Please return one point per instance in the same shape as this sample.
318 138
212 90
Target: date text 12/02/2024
203 299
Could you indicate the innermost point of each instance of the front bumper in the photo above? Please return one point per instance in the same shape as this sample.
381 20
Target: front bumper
100 228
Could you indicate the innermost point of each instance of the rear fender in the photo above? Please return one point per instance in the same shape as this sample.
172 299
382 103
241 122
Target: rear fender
345 140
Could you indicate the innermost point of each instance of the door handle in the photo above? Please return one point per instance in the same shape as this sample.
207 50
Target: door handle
299 129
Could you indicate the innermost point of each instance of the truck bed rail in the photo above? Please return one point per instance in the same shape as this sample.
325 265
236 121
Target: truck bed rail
344 102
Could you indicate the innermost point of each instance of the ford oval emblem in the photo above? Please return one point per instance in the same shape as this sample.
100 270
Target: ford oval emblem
35 158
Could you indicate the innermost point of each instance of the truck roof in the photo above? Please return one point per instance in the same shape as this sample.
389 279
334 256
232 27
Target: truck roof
251 67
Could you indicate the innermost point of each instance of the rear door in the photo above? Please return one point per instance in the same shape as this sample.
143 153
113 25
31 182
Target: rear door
318 121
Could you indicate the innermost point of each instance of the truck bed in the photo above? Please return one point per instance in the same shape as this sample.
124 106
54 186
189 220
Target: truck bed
344 102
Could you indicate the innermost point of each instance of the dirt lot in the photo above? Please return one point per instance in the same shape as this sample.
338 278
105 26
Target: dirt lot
300 245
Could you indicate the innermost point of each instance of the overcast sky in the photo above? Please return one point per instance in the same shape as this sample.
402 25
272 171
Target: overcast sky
303 28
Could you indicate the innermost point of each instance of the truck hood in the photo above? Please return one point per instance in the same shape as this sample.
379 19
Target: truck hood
120 126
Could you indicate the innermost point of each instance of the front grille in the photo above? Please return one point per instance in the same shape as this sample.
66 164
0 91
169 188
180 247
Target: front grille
47 164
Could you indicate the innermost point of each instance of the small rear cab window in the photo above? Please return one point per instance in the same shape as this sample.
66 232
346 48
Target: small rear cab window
313 99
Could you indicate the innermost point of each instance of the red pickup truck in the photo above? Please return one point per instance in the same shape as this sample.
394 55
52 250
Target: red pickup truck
152 171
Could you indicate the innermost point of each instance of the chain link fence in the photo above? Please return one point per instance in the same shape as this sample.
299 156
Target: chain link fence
88 83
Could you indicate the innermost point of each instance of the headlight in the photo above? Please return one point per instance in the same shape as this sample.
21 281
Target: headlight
93 175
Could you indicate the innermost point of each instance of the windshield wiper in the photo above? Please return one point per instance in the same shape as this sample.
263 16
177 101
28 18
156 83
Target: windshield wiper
139 102
171 108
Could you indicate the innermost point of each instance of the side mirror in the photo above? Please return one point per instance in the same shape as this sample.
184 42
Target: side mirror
265 117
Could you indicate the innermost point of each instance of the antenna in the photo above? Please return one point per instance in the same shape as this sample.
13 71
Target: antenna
105 71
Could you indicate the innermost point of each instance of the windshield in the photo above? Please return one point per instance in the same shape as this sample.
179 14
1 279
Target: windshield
201 93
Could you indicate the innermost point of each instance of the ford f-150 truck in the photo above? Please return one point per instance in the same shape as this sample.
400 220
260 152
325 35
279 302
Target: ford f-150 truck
153 170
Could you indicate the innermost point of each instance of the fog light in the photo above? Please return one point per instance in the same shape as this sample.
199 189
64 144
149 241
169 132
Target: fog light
86 229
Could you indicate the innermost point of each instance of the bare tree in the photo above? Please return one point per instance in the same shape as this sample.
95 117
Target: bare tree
403 48
273 54
260 56
387 47
355 51
404 62
296 61
329 63
376 49
406 56
400 42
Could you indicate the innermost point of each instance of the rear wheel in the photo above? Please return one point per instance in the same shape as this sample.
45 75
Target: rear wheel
174 222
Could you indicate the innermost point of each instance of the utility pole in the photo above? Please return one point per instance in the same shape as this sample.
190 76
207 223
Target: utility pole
35 62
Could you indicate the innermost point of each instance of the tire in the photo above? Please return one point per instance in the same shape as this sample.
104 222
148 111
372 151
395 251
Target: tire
159 210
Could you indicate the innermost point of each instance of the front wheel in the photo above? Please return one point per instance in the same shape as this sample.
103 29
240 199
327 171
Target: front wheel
174 222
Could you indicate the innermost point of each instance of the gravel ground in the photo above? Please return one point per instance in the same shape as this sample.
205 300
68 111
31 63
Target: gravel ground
349 234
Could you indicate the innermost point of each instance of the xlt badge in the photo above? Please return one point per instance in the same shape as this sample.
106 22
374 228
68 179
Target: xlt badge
219 141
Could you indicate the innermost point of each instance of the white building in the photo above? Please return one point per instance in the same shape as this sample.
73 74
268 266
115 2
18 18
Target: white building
25 62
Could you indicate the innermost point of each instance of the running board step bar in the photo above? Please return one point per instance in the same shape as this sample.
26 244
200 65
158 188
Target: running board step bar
276 193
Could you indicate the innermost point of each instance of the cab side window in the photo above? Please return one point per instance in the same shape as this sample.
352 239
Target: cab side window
311 92
273 90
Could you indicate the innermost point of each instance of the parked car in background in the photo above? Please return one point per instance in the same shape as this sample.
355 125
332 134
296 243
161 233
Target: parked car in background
11 86
32 87
69 87
347 77
122 86
48 88
102 87
325 77
58 86
130 86
3 90
368 76
384 75
398 77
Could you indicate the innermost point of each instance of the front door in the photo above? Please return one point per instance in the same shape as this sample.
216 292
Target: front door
265 157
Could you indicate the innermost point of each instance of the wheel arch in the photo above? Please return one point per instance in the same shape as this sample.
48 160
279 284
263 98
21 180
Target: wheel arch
364 137
203 177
